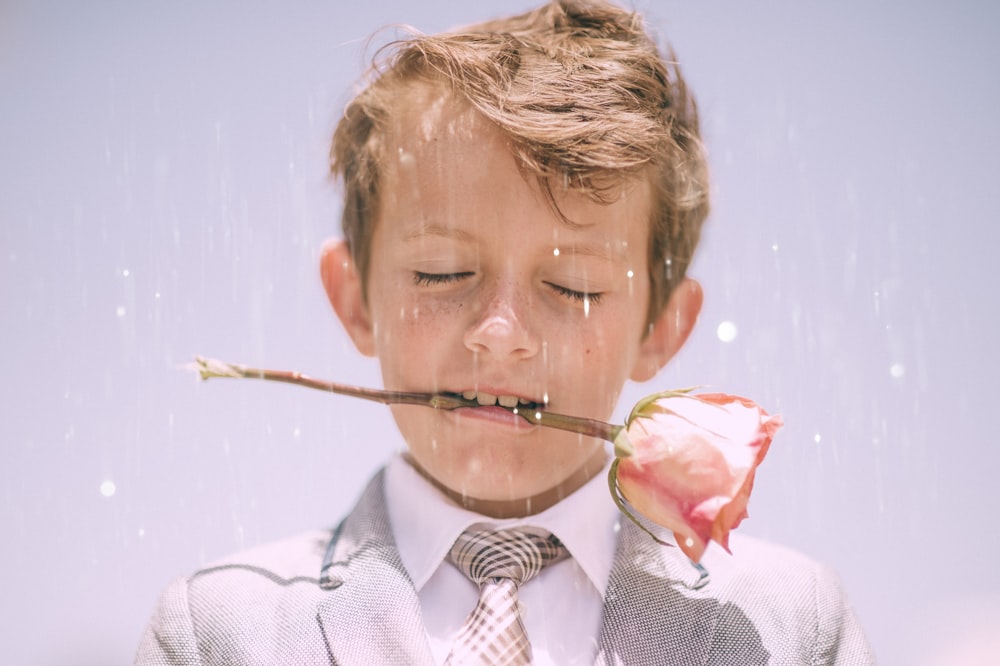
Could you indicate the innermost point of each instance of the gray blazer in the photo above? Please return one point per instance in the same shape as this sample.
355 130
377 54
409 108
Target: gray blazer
343 597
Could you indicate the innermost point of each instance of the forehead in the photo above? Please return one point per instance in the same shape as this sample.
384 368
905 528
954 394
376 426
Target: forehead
432 129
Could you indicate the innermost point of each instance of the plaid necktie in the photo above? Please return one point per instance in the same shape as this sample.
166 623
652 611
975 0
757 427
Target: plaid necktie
499 561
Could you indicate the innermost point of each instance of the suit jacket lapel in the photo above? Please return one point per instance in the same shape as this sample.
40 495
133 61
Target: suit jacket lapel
654 612
371 613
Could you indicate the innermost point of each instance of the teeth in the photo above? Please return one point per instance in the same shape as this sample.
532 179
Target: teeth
490 400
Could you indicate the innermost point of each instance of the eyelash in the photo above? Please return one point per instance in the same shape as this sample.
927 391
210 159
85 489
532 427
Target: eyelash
432 279
576 296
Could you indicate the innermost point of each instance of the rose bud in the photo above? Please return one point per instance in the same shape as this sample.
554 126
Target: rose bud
692 464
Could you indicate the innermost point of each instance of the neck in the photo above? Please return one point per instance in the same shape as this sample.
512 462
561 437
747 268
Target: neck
523 506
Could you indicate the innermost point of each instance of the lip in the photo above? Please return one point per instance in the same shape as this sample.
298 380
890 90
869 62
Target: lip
494 416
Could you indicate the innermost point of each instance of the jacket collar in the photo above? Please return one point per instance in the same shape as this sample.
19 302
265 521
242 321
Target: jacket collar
371 613
658 606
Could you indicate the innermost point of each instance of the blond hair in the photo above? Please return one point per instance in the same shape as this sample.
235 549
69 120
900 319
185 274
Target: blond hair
586 100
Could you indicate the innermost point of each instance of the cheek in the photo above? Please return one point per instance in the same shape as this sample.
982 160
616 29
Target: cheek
409 324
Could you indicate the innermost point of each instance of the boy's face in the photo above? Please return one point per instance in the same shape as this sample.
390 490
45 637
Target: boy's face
476 286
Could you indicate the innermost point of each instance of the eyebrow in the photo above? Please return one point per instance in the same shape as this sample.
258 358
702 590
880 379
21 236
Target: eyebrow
591 250
598 251
439 231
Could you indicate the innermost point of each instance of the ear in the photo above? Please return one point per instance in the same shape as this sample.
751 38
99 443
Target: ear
669 331
343 288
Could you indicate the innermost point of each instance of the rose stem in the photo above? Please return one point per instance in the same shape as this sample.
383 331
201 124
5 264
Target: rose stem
209 367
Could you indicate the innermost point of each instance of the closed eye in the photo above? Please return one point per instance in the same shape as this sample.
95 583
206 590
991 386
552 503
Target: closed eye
430 279
594 298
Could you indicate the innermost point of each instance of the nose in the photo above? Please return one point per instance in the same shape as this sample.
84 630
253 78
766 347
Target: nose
500 328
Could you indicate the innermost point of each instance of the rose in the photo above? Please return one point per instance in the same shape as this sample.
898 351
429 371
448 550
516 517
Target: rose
685 461
692 463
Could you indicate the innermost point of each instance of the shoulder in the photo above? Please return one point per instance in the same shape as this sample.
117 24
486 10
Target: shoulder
286 559
763 603
787 594
261 605
217 614
769 579
276 574
756 562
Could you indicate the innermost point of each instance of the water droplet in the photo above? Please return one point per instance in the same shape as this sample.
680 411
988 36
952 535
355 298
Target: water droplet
630 274
689 542
296 432
108 488
120 311
555 252
817 438
774 247
897 370
125 272
726 331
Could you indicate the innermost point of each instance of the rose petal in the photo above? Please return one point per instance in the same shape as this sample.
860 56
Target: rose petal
693 468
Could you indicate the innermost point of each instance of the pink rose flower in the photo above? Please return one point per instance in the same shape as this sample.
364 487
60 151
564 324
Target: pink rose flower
692 463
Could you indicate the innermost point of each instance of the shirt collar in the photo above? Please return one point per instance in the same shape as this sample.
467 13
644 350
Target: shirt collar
425 524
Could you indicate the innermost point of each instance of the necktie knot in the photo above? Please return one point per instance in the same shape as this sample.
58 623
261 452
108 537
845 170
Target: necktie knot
499 561
517 554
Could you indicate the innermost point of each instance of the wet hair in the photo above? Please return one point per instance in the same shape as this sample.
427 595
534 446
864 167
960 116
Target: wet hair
586 100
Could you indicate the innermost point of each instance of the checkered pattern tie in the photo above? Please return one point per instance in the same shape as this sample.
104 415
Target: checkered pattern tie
499 561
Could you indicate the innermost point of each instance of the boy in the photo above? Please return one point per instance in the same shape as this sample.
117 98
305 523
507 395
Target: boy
522 200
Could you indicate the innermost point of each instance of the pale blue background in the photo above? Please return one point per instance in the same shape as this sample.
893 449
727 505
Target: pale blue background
163 193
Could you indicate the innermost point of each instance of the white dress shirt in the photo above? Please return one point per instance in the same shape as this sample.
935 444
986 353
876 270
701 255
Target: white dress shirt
562 607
